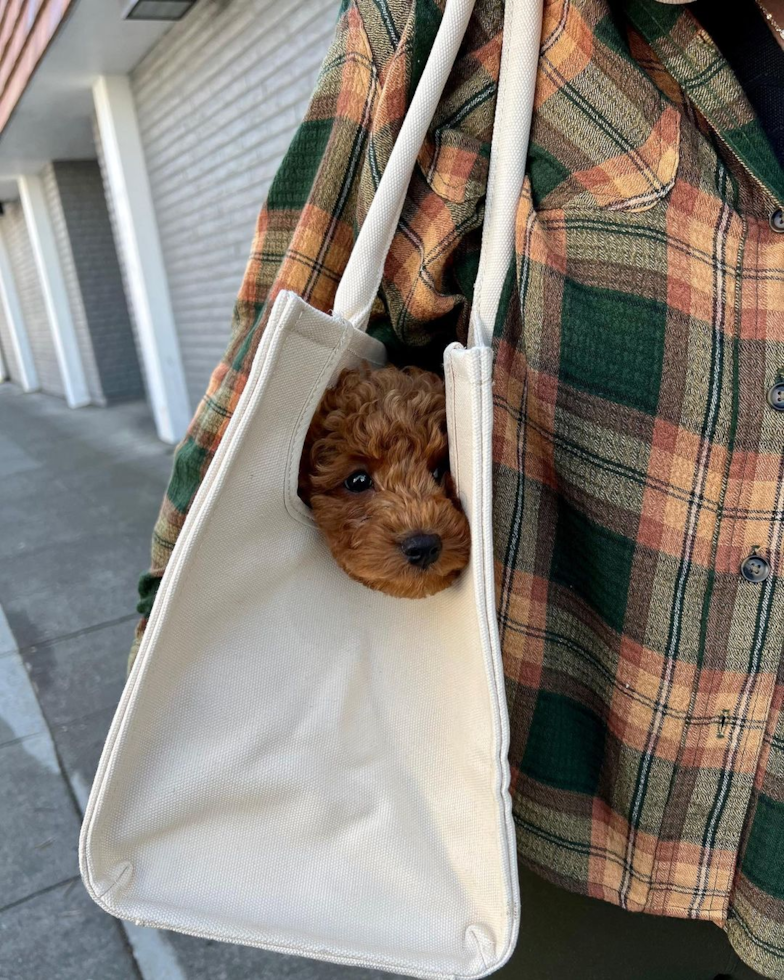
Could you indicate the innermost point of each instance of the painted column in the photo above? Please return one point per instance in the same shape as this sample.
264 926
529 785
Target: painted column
129 187
12 309
58 307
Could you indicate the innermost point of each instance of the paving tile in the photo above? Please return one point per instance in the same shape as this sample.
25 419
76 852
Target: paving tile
81 492
62 935
79 746
132 492
42 515
15 458
72 444
20 713
65 587
40 827
81 675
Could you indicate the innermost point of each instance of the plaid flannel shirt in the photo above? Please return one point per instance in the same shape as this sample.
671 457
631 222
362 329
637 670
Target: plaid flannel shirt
638 461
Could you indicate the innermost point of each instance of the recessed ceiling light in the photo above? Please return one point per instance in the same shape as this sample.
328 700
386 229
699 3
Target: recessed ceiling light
155 9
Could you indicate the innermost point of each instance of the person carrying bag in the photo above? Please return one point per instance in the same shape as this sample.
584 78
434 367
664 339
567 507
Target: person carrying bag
620 372
367 822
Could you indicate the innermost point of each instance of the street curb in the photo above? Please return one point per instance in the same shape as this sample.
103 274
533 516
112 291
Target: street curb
154 956
8 642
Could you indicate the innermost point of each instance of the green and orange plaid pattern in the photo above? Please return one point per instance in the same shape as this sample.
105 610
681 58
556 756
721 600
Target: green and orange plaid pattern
637 462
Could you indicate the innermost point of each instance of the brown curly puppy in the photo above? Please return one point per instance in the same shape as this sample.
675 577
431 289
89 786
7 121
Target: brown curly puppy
375 471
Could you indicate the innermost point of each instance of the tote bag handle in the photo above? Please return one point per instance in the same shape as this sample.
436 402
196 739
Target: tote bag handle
508 154
361 279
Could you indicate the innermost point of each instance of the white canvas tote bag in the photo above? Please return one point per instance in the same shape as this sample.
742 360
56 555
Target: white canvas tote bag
299 763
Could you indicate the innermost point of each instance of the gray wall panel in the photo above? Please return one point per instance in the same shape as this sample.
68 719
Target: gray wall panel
78 314
89 243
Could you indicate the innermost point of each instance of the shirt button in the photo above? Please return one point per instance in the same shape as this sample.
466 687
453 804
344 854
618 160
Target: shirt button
755 569
777 220
776 396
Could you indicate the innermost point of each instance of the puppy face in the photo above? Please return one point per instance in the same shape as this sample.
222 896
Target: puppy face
375 472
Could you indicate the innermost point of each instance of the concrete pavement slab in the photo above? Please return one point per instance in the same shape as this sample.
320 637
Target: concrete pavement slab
37 517
79 744
80 675
64 587
40 827
15 459
61 934
131 491
20 713
37 816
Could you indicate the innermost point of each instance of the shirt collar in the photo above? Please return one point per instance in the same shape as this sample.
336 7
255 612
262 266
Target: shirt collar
693 60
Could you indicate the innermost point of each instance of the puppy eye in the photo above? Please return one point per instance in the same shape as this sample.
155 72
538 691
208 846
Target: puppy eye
441 471
358 482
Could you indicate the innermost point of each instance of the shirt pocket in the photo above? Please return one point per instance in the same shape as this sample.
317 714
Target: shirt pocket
603 135
637 178
455 164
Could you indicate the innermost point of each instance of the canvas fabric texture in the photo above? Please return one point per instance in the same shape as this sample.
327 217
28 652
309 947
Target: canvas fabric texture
637 461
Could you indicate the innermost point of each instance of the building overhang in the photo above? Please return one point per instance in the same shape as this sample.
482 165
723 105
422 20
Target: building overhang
51 118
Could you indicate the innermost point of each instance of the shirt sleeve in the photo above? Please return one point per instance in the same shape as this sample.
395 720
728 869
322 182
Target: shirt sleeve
320 196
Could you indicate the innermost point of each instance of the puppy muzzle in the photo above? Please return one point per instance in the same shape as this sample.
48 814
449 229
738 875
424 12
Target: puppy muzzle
422 550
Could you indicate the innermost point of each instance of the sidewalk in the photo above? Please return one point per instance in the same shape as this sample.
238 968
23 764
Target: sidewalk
79 493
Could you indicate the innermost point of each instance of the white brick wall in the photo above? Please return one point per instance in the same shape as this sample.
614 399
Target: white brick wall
78 314
218 101
31 299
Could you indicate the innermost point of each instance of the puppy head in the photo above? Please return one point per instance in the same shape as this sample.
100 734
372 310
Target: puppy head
375 471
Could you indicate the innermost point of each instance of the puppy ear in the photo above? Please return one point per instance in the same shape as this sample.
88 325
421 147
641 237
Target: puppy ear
349 392
347 381
305 484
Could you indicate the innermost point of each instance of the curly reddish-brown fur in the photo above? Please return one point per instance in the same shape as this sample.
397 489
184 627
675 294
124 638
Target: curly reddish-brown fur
392 425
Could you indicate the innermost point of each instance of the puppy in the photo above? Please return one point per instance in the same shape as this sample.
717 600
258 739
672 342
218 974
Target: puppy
375 471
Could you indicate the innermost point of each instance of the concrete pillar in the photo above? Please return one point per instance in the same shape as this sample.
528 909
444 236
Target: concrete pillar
129 186
58 307
12 308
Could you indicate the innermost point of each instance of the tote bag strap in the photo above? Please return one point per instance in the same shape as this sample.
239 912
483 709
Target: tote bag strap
361 279
508 154
362 276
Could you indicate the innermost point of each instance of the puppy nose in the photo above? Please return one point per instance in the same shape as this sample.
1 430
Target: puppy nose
422 549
